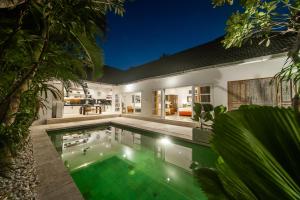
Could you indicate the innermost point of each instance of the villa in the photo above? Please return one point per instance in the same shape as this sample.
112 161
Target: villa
136 127
167 88
200 123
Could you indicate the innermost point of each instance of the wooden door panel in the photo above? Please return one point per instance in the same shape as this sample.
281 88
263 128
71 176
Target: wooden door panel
253 91
238 93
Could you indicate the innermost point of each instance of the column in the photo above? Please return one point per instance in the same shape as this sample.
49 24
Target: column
163 113
193 100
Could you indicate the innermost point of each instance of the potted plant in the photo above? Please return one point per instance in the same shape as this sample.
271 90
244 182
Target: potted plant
205 114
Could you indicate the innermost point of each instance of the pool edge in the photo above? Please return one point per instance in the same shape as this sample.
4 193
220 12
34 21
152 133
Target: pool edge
55 180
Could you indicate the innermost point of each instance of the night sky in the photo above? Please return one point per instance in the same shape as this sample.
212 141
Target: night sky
151 28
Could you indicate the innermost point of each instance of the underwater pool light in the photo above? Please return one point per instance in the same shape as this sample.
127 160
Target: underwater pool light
165 141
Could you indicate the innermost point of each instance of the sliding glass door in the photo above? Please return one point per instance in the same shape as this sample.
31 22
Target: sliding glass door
178 103
132 103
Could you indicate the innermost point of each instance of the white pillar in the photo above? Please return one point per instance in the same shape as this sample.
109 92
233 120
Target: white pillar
163 113
193 100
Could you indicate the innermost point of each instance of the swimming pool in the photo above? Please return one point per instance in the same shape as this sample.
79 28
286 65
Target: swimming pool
113 162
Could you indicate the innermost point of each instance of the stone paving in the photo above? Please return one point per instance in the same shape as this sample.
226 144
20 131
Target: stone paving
166 129
55 181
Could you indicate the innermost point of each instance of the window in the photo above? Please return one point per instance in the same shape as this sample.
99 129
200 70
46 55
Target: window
117 103
203 94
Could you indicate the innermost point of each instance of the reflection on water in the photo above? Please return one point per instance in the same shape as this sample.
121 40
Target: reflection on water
80 148
131 163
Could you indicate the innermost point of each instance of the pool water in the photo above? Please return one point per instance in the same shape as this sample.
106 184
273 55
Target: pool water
115 163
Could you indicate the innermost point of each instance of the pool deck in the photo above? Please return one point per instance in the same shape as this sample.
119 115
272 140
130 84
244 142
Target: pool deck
55 181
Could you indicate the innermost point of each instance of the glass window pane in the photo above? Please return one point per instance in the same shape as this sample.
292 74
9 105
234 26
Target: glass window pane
205 98
205 90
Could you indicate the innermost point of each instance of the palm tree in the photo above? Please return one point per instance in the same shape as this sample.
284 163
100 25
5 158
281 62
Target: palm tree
49 27
42 41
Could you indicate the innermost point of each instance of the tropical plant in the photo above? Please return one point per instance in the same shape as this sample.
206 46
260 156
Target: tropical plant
37 33
266 19
200 108
212 115
258 150
207 113
44 41
197 111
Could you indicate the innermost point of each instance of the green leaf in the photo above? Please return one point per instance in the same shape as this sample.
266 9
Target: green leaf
235 187
211 184
261 146
93 54
219 110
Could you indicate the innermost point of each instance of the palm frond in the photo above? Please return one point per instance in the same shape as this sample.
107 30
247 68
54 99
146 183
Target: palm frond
94 56
211 184
44 88
261 145
236 188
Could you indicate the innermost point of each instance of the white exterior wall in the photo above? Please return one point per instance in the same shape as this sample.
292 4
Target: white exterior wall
216 77
50 103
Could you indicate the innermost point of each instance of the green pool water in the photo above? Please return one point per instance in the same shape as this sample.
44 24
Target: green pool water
114 163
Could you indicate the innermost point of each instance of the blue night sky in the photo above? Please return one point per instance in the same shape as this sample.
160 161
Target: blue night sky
151 28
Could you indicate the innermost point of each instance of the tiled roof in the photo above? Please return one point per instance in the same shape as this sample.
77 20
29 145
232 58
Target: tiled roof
202 56
112 75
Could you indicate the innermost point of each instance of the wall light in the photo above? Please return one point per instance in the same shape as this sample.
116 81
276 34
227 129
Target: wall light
129 88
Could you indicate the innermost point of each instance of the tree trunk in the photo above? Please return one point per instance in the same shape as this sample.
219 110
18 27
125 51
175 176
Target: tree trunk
14 104
24 84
